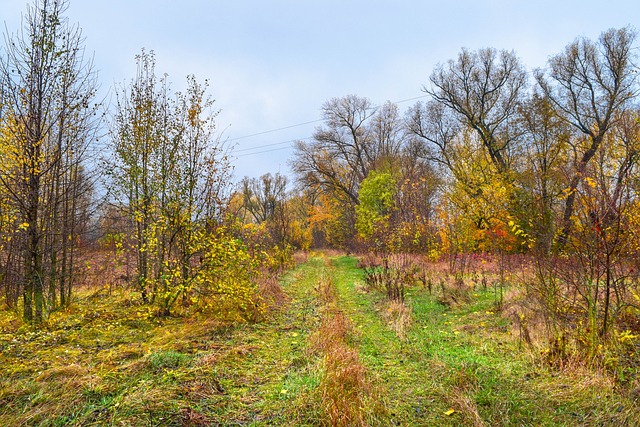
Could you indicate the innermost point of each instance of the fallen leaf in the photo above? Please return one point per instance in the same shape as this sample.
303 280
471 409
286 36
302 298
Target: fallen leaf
449 412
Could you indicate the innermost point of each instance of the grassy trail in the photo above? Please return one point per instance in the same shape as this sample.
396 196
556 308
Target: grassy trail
331 354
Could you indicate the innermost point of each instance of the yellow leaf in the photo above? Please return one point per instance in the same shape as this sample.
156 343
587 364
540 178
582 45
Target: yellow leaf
449 412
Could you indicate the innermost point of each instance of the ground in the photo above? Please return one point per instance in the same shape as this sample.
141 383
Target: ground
331 353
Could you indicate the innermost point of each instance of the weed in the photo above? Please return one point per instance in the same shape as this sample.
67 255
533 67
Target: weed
398 316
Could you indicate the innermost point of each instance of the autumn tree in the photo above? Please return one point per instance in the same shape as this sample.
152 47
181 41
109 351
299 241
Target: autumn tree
48 87
356 138
137 134
547 139
590 84
195 182
170 174
377 202
264 200
262 196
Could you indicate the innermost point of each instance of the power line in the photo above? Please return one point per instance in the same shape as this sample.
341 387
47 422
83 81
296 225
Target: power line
266 145
264 151
410 99
275 130
258 147
313 121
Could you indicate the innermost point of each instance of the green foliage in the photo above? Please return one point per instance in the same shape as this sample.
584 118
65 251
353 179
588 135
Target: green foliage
376 203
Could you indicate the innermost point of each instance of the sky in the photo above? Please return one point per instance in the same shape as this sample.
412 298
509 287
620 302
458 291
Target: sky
272 64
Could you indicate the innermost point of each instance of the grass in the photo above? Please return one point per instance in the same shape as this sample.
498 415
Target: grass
463 366
107 360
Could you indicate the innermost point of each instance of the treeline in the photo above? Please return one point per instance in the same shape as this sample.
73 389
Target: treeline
48 120
502 161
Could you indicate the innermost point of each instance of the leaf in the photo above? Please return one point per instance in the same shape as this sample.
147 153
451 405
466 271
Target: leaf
449 412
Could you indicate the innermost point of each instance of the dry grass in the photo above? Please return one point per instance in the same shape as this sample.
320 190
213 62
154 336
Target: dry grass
398 316
347 396
271 291
300 257
333 332
467 407
345 388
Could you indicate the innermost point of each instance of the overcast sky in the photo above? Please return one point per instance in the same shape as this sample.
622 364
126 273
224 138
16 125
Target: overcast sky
272 64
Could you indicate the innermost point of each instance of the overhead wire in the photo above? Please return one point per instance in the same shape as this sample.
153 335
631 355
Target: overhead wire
265 145
275 130
261 146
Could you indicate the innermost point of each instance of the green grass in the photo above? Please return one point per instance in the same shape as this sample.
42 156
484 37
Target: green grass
108 361
466 359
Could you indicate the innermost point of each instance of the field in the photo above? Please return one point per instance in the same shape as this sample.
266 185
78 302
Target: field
330 352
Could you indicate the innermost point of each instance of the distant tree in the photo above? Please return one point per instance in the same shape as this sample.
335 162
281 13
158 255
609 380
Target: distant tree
356 138
377 202
265 200
547 139
263 195
437 130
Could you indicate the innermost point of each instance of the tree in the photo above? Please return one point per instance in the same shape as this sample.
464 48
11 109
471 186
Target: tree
48 87
589 85
263 195
483 90
170 175
547 140
376 197
265 199
137 134
356 138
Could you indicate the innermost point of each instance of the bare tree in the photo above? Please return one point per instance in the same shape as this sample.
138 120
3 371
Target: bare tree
483 89
437 130
355 139
265 200
263 195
